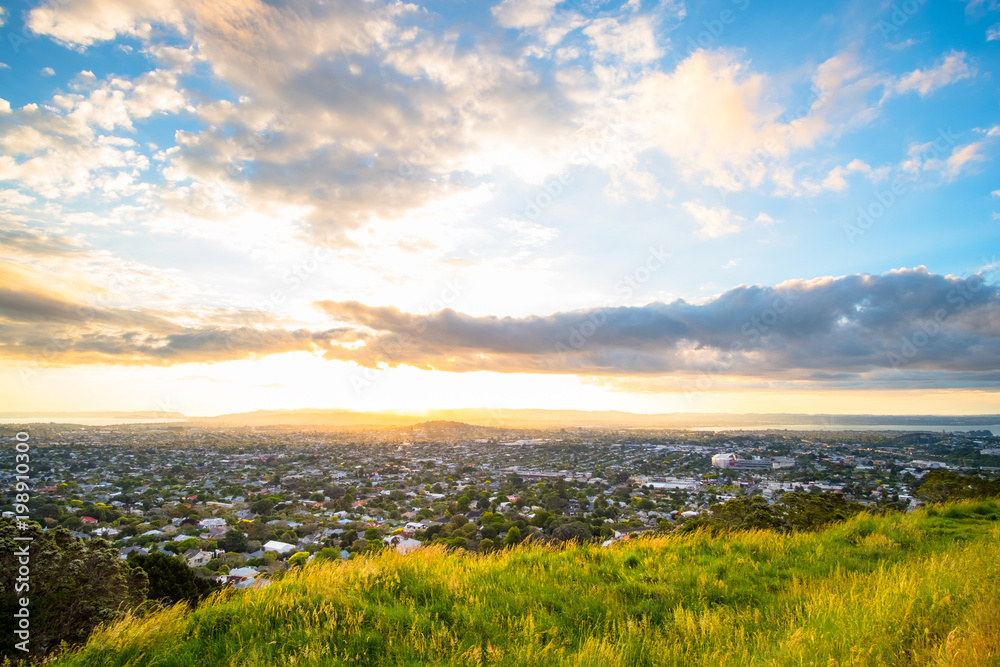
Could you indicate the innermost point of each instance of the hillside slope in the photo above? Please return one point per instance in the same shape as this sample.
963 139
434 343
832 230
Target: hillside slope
916 589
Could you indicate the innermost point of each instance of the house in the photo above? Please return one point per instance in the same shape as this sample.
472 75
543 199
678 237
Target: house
197 557
212 523
217 532
139 551
280 547
403 545
89 520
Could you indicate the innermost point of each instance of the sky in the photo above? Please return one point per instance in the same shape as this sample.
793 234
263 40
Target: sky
651 206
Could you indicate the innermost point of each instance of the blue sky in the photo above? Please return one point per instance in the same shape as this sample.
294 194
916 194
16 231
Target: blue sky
238 205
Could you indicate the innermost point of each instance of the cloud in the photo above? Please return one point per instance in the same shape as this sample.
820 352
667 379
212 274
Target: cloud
713 222
84 22
953 67
993 33
907 320
524 13
888 326
925 157
528 233
31 242
45 326
3 16
47 71
629 42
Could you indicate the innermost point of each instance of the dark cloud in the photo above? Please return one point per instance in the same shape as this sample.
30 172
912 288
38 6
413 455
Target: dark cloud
45 328
904 328
827 330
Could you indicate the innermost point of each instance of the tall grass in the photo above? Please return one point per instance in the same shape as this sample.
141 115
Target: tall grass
916 589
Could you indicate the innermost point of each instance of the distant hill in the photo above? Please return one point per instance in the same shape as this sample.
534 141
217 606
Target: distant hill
145 414
529 418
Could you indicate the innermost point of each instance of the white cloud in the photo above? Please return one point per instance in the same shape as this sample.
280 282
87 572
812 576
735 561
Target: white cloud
630 42
713 222
47 71
4 106
961 158
712 116
925 157
993 33
84 22
953 67
3 16
528 233
836 182
524 13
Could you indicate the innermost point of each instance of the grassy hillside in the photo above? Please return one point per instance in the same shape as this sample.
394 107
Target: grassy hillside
916 589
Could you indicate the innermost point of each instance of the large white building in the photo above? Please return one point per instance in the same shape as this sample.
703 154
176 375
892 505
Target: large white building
724 460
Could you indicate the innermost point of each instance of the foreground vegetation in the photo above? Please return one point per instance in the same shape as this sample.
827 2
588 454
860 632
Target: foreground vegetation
900 589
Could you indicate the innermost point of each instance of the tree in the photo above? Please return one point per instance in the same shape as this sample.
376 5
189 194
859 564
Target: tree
941 485
263 506
171 580
513 536
233 540
576 531
75 585
298 559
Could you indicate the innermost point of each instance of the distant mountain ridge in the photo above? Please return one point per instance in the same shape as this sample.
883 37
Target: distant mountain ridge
142 414
523 418
538 418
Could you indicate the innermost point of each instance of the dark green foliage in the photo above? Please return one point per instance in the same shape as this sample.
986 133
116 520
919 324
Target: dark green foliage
794 511
233 540
940 485
74 586
171 580
577 530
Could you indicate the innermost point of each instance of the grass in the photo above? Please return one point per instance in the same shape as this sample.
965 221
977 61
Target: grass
914 589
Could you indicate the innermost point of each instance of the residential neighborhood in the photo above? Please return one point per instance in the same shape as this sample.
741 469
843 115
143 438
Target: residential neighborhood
240 504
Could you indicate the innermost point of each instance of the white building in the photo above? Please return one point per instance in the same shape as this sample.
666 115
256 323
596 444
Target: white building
280 547
724 460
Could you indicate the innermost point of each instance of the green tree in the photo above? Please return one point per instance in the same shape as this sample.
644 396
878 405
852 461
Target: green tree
513 536
75 585
233 540
171 580
577 531
298 559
